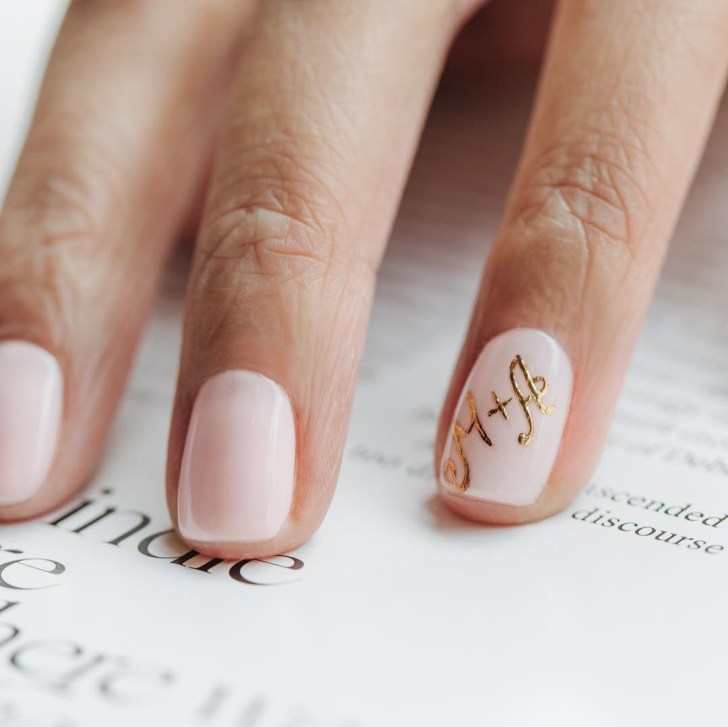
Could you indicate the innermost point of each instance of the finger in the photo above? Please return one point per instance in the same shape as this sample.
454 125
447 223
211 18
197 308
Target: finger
311 168
116 147
626 98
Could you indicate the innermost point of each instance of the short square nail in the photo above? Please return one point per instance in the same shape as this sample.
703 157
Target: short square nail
238 467
31 401
509 419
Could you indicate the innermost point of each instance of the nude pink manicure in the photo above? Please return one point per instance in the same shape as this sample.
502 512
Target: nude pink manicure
238 467
31 400
507 428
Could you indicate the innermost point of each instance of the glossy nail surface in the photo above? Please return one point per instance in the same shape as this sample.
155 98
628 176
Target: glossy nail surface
238 467
31 399
509 419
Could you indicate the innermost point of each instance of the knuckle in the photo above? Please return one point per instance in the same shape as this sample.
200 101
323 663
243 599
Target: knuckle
593 191
51 248
582 216
266 243
35 280
277 232
272 261
60 205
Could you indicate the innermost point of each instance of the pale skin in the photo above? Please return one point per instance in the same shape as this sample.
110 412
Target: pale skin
283 132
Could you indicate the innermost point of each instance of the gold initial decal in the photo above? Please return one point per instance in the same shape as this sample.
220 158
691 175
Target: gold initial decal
537 386
458 432
500 406
535 395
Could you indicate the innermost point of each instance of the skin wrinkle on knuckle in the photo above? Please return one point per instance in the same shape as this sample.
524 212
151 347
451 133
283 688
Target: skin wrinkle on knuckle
51 247
50 287
262 242
280 225
61 207
260 265
37 293
580 224
593 191
56 256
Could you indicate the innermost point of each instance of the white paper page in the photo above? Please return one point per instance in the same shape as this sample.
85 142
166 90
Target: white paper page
399 613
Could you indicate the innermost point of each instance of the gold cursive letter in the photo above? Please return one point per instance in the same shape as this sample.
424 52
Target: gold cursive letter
535 395
449 470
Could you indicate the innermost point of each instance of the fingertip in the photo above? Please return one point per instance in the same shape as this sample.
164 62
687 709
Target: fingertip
287 540
552 501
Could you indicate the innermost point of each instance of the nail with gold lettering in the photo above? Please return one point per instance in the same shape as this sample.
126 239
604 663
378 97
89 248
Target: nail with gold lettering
508 422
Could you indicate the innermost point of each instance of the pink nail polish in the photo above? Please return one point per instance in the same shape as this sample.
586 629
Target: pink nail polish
508 422
238 467
31 400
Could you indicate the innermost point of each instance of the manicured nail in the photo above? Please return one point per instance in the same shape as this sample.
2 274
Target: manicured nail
238 467
508 422
31 400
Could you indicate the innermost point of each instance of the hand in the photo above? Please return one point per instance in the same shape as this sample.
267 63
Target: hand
296 122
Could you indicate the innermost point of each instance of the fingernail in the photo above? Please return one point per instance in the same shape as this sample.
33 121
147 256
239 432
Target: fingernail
31 396
237 476
508 422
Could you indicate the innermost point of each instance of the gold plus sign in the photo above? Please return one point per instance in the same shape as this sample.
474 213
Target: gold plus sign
500 406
